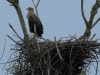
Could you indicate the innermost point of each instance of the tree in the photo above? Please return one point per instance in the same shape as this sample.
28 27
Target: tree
54 57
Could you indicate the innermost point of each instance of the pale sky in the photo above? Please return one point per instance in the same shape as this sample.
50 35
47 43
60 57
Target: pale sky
59 18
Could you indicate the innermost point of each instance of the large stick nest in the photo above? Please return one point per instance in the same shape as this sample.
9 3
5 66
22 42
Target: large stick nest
62 57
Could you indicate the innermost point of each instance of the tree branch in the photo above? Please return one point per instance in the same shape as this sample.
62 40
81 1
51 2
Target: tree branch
82 11
58 49
15 3
37 3
13 40
15 31
93 13
96 22
90 24
35 6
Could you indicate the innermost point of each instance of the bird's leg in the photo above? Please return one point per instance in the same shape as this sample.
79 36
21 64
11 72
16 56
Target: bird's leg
33 36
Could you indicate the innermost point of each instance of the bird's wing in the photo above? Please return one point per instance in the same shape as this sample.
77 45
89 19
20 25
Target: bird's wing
35 19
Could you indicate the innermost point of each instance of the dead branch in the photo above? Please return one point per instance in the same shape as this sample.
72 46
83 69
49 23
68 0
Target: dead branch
96 22
15 3
35 6
15 32
37 3
58 49
82 11
13 40
89 24
3 49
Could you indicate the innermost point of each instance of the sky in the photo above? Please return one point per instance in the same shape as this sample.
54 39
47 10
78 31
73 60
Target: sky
60 18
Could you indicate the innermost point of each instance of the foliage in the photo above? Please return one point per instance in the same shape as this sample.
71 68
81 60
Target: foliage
82 73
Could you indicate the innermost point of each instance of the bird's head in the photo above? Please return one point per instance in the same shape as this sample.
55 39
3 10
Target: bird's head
29 9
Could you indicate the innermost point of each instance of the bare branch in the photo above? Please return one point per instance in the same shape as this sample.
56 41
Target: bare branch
9 58
82 11
15 32
3 49
35 6
37 3
33 3
15 3
96 22
49 63
13 40
93 36
90 24
58 49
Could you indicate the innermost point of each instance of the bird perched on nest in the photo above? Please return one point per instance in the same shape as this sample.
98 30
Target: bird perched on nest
34 20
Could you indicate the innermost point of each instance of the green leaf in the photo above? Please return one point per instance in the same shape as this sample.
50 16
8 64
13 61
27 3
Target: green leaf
16 67
82 73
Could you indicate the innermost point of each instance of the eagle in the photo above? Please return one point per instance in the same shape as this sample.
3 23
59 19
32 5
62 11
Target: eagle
34 20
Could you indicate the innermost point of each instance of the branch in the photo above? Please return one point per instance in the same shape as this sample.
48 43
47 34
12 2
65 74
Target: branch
96 22
37 3
15 31
36 7
90 24
93 36
33 3
13 40
93 13
3 49
58 49
82 11
15 3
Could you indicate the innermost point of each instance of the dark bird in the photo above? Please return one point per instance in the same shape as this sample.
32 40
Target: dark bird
34 20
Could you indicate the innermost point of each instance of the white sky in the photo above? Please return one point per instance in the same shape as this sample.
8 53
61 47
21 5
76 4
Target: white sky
59 18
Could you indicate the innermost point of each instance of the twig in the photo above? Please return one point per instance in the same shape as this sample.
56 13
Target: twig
37 3
58 49
8 60
96 66
96 22
3 48
97 39
13 40
49 63
71 61
33 3
10 5
36 7
93 36
15 31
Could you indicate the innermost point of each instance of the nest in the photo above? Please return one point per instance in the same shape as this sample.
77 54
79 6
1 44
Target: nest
62 57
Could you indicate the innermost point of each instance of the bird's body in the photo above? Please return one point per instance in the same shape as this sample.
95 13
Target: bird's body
34 20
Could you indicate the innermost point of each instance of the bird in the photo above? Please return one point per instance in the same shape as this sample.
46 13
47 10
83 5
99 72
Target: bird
34 20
